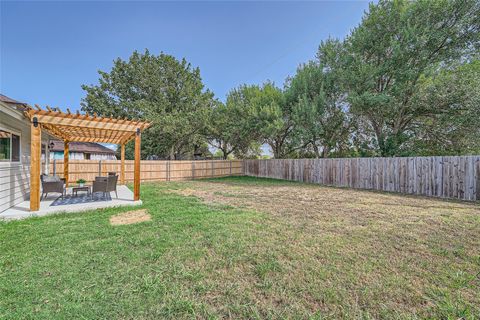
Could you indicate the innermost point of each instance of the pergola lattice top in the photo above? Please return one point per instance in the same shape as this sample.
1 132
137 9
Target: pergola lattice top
84 127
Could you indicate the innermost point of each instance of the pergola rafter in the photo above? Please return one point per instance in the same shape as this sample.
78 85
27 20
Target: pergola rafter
81 128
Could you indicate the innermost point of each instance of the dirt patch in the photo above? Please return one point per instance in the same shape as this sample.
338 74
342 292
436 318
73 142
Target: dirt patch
300 202
130 217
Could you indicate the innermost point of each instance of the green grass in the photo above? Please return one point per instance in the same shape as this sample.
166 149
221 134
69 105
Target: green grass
242 248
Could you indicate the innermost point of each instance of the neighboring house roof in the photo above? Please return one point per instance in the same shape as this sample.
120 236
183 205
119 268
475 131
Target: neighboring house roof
84 147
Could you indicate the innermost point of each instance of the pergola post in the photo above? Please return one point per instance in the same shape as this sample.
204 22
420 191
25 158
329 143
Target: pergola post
65 162
122 163
35 164
136 173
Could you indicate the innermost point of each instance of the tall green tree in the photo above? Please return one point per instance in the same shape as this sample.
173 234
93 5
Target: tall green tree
278 132
453 127
236 125
396 45
225 132
318 103
160 89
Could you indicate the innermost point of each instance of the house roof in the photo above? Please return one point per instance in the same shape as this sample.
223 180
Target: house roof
6 99
83 147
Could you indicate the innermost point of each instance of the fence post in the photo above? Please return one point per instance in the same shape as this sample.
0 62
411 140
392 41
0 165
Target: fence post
100 168
230 167
212 168
193 169
478 178
168 171
54 167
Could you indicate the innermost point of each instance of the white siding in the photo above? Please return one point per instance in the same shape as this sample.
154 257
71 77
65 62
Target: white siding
14 184
102 156
15 176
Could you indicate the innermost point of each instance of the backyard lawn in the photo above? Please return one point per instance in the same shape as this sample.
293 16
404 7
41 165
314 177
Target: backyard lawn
244 247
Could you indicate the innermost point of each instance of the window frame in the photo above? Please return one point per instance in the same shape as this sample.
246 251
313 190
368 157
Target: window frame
17 133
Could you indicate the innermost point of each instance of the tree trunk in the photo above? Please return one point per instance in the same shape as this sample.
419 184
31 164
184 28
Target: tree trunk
317 151
325 152
381 142
276 151
225 152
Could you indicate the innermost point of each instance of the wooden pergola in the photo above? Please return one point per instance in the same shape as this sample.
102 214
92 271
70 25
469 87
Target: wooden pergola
82 128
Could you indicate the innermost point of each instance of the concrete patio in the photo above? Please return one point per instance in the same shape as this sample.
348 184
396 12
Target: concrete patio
22 210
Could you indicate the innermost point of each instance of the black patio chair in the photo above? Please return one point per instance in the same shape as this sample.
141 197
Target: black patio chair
105 185
52 184
112 184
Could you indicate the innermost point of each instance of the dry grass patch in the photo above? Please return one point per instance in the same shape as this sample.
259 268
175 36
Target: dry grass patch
368 250
130 217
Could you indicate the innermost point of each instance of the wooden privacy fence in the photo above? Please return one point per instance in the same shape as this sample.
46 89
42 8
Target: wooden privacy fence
150 170
446 177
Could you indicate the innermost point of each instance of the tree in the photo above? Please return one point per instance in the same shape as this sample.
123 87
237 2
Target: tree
454 126
224 132
160 89
278 131
253 151
236 126
397 44
318 103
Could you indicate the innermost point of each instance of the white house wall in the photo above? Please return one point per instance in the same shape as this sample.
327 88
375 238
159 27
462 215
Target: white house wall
15 176
102 156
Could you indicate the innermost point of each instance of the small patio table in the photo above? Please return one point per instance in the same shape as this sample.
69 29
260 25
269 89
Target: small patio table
76 189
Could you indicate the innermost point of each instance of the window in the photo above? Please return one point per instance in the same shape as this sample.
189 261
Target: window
5 139
9 147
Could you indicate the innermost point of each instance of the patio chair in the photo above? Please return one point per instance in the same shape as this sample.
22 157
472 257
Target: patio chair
105 184
112 184
100 185
52 184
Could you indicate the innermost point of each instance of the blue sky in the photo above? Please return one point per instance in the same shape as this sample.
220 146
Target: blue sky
49 49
